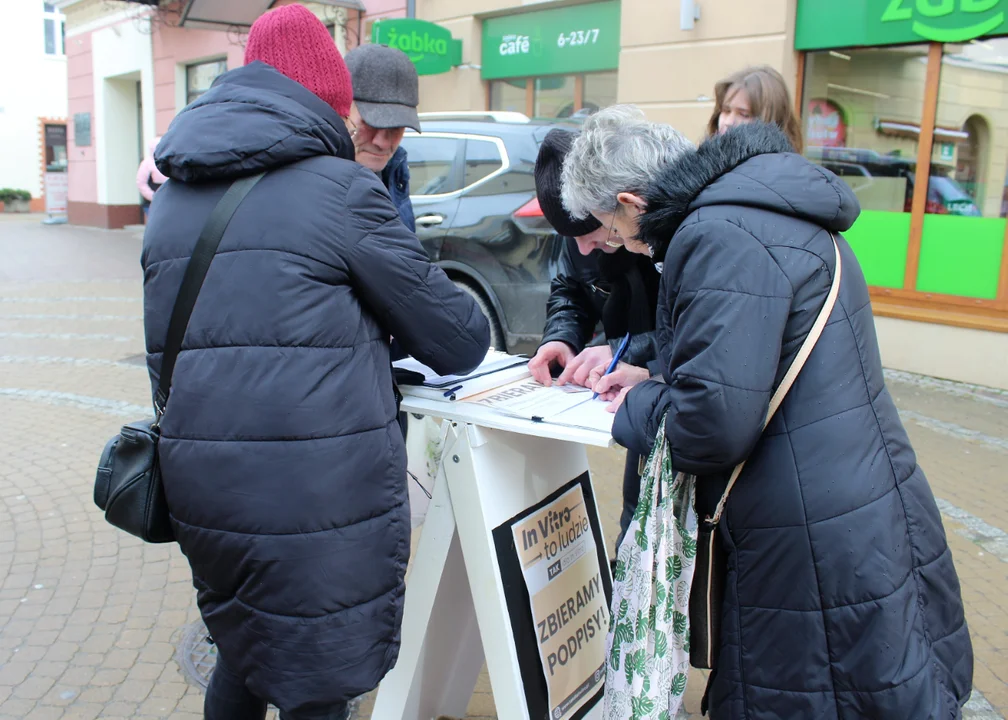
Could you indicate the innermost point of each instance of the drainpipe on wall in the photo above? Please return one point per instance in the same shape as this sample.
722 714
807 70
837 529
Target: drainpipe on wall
411 8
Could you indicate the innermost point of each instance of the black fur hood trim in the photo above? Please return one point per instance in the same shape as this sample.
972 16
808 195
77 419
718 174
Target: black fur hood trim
670 195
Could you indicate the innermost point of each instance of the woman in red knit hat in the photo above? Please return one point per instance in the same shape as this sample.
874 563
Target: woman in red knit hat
283 462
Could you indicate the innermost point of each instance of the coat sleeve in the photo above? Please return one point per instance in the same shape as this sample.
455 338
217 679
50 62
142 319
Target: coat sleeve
430 318
571 316
729 313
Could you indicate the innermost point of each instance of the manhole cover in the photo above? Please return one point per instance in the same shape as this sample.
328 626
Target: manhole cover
196 655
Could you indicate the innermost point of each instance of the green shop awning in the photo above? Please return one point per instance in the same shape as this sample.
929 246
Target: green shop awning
823 24
572 39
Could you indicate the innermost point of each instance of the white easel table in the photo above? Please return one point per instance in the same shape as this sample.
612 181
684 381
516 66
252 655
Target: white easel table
456 611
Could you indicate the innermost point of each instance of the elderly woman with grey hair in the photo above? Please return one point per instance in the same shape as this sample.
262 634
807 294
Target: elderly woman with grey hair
841 598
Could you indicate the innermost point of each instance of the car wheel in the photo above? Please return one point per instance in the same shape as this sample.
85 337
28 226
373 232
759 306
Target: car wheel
496 334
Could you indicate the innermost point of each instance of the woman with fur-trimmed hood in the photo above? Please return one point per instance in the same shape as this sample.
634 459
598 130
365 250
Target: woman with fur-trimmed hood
841 601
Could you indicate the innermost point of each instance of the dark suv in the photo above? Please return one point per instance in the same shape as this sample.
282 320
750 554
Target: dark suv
473 193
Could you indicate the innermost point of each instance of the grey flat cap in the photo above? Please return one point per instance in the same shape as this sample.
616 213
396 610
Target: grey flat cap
385 86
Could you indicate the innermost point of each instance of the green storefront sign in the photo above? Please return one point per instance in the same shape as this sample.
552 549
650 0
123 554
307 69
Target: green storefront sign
822 24
431 47
574 39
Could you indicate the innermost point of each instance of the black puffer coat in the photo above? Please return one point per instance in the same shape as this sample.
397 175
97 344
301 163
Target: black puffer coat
842 599
284 466
619 289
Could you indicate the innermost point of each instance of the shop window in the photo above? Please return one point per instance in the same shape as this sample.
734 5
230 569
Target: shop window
554 96
200 76
962 238
433 164
861 117
482 158
54 29
599 91
508 95
55 147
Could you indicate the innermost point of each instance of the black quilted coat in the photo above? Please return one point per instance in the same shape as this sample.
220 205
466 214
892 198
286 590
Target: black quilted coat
842 599
284 466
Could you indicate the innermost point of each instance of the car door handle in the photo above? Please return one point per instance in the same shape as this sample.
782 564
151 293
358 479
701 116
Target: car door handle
430 220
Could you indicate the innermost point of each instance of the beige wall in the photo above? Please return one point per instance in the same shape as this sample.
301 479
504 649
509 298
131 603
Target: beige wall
960 354
461 88
671 73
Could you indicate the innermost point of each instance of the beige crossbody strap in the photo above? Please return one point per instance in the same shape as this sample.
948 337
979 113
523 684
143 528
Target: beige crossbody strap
796 365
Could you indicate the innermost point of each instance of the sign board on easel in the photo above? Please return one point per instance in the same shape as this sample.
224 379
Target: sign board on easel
56 197
558 596
468 597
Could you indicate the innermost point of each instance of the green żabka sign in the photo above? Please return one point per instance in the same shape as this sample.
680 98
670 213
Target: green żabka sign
580 38
430 47
823 24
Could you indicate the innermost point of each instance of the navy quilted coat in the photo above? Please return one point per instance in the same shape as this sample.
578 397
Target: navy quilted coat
842 601
284 466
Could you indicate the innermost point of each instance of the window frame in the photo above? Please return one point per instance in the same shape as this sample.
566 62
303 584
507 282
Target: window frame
187 67
530 84
58 19
460 159
908 302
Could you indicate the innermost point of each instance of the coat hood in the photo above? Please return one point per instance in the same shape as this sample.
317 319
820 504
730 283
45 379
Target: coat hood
252 119
751 165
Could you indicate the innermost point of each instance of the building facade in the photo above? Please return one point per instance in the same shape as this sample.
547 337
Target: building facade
33 98
132 66
887 91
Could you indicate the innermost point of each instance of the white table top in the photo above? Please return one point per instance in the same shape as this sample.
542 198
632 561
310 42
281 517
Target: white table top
471 414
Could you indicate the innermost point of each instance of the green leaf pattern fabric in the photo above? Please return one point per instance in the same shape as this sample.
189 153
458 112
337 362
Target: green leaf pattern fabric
648 642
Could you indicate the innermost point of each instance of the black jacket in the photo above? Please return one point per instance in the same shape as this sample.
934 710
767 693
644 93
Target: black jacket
842 600
284 466
620 290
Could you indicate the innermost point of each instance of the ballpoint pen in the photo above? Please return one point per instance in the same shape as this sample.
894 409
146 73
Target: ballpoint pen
616 359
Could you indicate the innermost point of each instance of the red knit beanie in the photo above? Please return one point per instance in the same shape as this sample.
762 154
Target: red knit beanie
297 44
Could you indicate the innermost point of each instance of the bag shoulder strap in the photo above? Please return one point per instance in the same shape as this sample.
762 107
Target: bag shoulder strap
792 373
192 281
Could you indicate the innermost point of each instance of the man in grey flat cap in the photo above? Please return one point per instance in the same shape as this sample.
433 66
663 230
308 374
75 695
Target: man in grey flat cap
386 94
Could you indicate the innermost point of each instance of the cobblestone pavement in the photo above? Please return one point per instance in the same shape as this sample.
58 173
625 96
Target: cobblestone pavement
90 618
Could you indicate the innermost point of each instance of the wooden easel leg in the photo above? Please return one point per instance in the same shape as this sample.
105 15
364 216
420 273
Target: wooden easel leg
441 655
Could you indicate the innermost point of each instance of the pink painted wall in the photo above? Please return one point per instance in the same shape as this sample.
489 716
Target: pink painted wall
81 171
176 46
385 9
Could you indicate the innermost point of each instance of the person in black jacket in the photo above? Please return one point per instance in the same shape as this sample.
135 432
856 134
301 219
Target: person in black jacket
283 463
841 597
596 281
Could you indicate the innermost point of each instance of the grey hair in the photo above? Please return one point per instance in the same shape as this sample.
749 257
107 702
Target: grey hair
618 150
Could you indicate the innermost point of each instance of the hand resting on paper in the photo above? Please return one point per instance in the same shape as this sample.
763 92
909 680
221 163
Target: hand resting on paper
550 354
578 369
614 387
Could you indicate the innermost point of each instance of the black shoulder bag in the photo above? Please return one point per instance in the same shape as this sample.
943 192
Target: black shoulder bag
128 483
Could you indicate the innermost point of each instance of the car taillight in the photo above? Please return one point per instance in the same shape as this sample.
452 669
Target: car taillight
530 219
530 209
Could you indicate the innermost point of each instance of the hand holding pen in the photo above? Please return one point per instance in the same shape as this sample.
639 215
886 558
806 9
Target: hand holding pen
615 361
